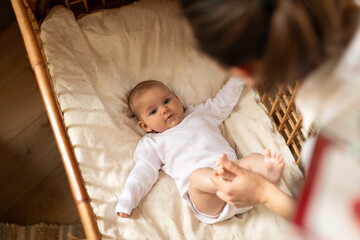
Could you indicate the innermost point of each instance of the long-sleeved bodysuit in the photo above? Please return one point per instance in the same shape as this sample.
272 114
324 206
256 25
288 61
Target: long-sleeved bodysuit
196 142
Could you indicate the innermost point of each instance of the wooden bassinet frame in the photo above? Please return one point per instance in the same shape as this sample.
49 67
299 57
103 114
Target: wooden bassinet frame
281 109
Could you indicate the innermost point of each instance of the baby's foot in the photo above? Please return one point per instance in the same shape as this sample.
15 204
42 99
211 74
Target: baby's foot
274 165
221 171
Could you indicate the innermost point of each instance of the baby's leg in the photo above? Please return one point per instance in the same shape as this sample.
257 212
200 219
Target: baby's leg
270 166
202 192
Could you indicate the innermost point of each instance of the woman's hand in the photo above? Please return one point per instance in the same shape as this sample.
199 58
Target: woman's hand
241 187
238 186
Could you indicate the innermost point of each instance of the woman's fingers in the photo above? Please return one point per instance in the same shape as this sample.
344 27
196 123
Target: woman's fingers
228 165
223 196
225 187
227 195
245 187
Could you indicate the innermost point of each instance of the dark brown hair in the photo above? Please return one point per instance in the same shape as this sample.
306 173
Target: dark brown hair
286 38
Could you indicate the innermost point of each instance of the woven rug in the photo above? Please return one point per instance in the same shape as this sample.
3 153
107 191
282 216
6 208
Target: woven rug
41 231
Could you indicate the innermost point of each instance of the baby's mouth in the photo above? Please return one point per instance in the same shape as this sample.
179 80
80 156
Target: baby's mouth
170 116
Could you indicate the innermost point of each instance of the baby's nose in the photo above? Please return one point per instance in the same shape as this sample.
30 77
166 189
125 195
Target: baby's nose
164 109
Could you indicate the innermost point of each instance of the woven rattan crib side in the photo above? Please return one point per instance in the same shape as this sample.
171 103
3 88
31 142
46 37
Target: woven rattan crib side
283 112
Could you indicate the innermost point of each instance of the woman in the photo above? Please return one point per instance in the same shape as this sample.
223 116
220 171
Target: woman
274 43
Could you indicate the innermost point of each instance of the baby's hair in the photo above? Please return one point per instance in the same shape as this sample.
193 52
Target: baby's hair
286 39
141 88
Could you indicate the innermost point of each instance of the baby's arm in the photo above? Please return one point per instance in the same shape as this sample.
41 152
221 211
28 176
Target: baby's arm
140 181
225 100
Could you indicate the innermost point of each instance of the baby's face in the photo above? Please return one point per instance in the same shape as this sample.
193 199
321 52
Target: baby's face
158 109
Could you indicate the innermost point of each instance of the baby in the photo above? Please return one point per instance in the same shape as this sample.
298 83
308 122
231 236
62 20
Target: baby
183 144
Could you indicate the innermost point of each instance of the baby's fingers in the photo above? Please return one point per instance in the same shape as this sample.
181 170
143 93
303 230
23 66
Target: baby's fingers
124 215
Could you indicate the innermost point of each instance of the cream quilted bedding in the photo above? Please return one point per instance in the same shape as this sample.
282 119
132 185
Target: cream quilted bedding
94 61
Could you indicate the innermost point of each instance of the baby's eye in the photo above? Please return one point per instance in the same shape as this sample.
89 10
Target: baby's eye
167 100
153 111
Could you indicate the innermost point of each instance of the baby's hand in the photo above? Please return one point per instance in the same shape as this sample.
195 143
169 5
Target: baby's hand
124 215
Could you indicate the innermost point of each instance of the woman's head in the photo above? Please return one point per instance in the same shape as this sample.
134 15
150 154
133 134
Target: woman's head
282 40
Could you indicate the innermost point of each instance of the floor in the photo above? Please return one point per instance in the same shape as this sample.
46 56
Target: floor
33 183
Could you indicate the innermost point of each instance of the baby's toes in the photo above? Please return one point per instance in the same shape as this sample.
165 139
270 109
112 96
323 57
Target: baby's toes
281 162
267 153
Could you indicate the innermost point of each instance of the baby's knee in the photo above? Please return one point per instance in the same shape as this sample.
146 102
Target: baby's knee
199 173
194 175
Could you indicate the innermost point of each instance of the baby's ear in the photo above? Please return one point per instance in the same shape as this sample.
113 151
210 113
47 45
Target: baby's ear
144 127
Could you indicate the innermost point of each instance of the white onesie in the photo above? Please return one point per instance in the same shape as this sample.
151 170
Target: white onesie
196 142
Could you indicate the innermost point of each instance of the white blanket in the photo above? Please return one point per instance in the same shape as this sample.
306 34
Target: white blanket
94 62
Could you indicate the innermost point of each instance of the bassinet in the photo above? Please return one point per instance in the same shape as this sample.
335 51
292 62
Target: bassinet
281 110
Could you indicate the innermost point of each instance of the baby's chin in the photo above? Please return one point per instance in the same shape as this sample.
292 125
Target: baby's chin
171 125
